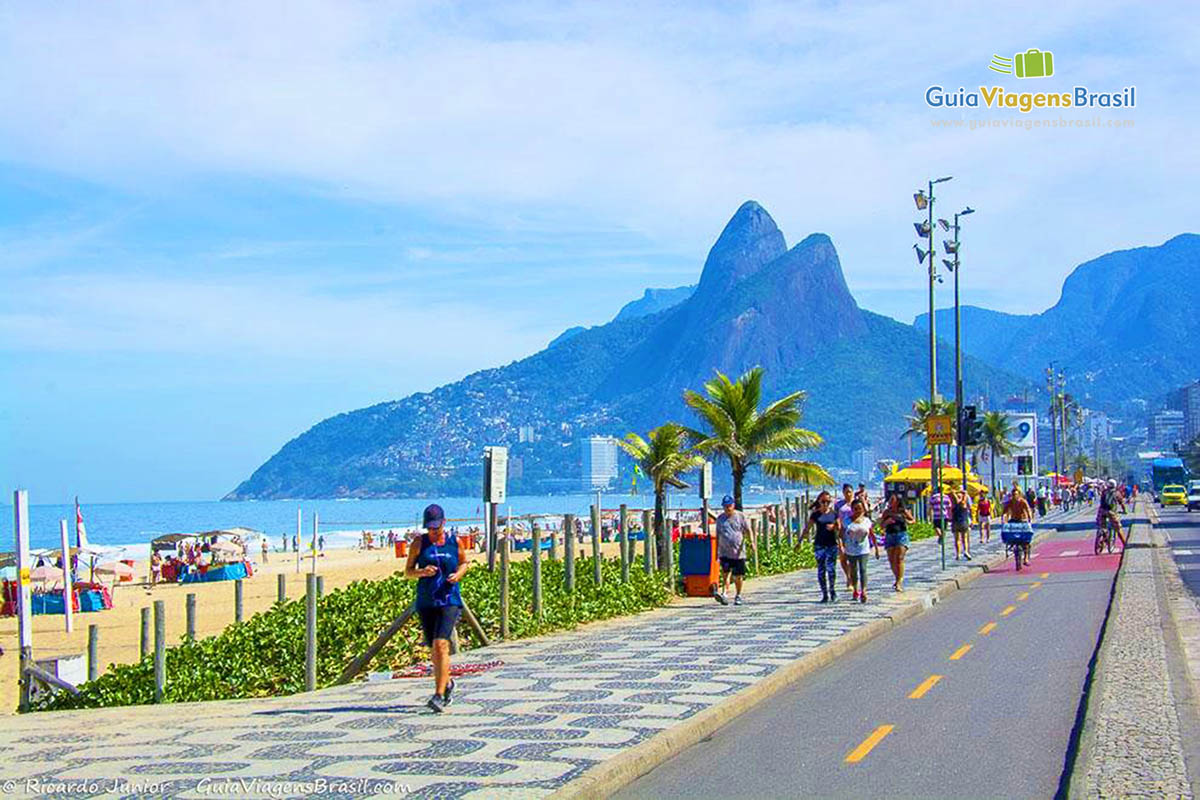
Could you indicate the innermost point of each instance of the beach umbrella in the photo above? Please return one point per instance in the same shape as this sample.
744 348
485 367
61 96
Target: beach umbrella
115 568
44 574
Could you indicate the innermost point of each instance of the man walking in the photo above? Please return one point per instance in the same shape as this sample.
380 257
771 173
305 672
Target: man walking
733 531
939 512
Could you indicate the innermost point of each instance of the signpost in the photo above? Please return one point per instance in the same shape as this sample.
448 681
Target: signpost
495 492
940 430
705 494
68 580
24 592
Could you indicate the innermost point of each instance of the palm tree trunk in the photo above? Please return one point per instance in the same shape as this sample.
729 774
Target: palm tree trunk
739 474
993 456
659 523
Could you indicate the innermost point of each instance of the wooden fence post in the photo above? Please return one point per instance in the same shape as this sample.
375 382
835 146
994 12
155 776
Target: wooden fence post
160 650
503 546
238 597
310 632
536 561
281 588
145 642
93 652
597 574
648 548
624 534
569 553
190 630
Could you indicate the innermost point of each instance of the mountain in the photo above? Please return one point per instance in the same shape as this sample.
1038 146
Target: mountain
654 301
1126 313
757 303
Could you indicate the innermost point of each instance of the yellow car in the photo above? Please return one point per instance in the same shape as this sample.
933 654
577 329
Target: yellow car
1173 495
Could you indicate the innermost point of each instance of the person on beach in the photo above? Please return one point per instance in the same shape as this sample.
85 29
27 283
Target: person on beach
155 567
985 517
827 546
733 531
960 522
844 508
264 549
438 561
855 537
295 544
895 521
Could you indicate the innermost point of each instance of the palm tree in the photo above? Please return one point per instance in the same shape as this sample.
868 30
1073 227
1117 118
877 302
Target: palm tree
745 435
1081 463
997 431
662 456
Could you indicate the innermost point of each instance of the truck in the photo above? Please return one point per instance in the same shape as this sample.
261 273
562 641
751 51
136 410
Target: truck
1166 470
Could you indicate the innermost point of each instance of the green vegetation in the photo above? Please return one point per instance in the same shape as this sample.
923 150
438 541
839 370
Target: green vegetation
264 656
662 457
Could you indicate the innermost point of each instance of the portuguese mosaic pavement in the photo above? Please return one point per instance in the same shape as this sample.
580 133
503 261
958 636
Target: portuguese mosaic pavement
555 707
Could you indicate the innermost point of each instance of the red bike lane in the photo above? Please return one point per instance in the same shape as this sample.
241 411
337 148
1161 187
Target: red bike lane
1065 555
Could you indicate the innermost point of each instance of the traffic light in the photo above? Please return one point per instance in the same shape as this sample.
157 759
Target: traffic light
1024 465
972 430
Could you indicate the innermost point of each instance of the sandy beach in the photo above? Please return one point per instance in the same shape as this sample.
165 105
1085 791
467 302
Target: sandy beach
120 627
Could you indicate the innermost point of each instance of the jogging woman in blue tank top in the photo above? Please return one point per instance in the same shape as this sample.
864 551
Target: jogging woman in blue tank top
438 561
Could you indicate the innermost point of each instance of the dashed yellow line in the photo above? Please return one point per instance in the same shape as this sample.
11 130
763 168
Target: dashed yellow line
1023 596
1008 610
986 629
868 744
1044 575
1035 584
960 652
925 686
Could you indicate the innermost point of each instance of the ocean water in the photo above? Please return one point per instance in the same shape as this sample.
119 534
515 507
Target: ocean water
131 526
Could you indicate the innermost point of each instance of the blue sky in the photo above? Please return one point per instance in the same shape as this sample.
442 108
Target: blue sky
221 224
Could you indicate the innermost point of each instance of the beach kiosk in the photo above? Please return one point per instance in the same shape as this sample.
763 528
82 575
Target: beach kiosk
202 557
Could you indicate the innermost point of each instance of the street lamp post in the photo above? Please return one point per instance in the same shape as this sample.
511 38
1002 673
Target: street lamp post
953 266
1054 384
925 203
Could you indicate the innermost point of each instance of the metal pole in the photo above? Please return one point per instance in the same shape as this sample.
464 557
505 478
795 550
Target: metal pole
310 632
495 534
281 588
144 649
24 594
597 575
299 535
237 600
320 586
68 592
93 652
503 543
958 382
316 528
160 650
190 605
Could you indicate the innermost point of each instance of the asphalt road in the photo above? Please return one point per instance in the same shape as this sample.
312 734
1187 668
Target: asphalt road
1183 529
977 698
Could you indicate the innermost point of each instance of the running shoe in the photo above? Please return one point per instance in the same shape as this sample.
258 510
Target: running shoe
436 704
720 598
863 597
967 556
824 598
855 594
737 601
833 597
446 698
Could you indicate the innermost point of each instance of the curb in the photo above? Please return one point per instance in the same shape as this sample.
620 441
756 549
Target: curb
1081 764
608 776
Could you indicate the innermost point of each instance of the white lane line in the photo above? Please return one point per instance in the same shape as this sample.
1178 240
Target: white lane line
1188 566
1183 552
1069 553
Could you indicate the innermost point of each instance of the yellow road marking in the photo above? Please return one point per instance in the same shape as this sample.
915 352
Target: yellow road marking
1045 575
860 752
925 686
960 652
1008 610
1023 596
986 629
1035 584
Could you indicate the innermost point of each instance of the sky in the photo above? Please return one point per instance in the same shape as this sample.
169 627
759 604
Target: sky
222 223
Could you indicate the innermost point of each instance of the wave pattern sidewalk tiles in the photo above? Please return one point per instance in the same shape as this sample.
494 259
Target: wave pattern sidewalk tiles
559 705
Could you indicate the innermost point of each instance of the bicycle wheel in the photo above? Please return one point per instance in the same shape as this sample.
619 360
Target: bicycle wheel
1112 534
1098 546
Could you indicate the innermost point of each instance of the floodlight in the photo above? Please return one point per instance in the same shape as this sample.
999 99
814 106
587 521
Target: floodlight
923 229
951 247
945 225
965 211
920 254
921 200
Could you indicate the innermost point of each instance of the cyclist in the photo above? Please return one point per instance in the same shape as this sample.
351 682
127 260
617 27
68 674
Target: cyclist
1017 515
1110 498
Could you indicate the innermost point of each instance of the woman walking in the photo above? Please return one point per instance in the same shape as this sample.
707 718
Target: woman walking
823 521
985 517
854 543
438 561
895 520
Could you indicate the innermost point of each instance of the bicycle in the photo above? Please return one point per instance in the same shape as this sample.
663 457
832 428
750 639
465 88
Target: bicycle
1106 533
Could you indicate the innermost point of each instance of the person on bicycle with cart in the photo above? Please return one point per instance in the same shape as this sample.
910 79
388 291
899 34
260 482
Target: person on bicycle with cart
1018 514
1110 498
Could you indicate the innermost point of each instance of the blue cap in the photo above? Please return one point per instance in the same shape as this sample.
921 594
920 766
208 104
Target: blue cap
434 516
727 500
